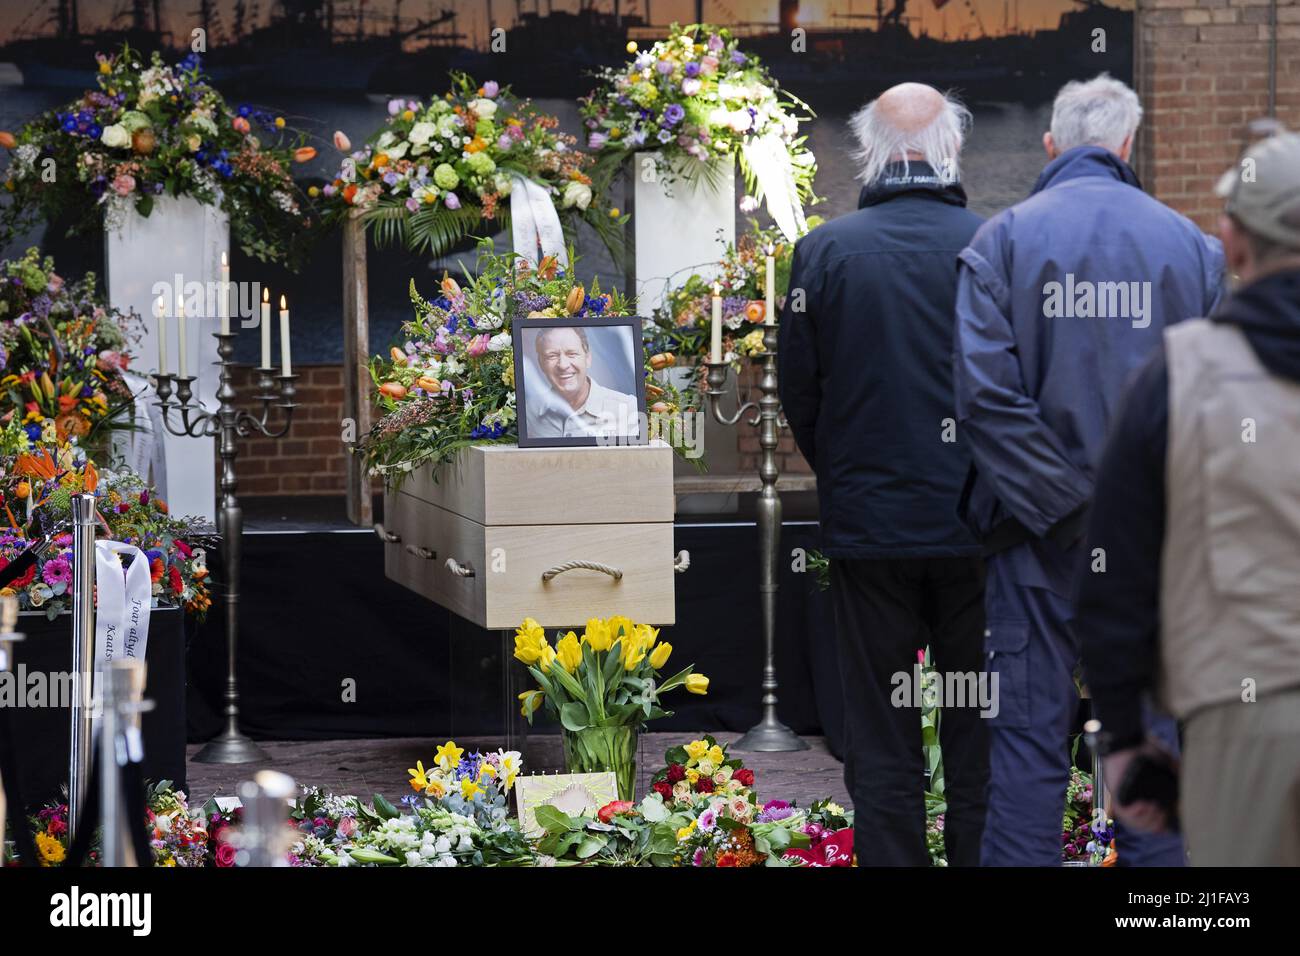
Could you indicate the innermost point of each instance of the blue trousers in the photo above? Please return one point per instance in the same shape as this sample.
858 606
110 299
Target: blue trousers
1029 645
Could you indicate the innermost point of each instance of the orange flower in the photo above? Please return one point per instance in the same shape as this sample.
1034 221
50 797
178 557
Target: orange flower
350 192
755 311
67 403
7 139
304 154
476 145
39 465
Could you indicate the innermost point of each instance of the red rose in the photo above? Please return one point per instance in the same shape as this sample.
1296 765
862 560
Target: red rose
175 577
225 855
664 789
612 809
676 772
744 776
25 578
704 785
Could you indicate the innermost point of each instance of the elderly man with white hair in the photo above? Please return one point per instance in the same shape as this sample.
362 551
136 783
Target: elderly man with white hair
866 383
1060 298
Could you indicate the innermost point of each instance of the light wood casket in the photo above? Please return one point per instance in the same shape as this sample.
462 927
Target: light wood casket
493 534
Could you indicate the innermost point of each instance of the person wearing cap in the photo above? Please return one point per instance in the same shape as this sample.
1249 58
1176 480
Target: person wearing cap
1197 507
1059 299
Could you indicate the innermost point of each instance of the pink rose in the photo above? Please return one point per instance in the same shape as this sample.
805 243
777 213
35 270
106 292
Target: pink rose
478 345
225 855
347 826
56 283
123 184
240 124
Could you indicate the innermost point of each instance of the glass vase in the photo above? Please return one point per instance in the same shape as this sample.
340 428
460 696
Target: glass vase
594 749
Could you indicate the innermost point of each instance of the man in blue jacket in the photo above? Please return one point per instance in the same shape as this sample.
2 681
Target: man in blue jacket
866 385
1060 298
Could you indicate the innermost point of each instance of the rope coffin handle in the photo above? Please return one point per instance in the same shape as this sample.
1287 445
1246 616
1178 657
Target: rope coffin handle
613 572
458 569
389 537
421 552
682 562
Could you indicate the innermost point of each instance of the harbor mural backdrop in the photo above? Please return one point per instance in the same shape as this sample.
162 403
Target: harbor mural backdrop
329 65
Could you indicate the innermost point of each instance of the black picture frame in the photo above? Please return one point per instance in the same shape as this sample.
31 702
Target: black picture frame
522 341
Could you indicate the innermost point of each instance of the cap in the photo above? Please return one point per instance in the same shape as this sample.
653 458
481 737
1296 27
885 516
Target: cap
1263 189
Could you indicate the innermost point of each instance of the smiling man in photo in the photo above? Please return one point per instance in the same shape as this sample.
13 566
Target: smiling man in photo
576 405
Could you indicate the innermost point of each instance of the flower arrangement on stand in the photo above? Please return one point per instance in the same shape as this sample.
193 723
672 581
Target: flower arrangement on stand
602 687
452 383
437 173
37 480
63 352
152 129
696 97
177 834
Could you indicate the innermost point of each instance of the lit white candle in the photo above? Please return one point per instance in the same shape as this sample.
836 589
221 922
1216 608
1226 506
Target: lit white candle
286 367
183 355
160 312
770 312
715 353
224 305
266 328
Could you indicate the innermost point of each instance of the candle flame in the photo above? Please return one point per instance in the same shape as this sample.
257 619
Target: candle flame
223 260
717 289
283 305
266 294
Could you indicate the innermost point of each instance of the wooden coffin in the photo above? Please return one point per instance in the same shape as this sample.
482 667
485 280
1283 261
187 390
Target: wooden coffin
502 533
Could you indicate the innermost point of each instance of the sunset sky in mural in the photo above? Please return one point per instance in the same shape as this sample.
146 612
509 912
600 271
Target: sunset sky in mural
958 17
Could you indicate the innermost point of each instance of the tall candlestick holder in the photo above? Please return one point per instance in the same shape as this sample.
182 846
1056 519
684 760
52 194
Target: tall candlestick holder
769 734
228 423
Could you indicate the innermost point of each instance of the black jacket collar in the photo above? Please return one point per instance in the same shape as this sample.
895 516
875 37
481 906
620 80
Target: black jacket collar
917 177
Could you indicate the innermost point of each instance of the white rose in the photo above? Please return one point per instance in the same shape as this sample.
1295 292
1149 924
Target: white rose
421 133
577 194
503 185
484 108
499 342
739 121
115 136
386 140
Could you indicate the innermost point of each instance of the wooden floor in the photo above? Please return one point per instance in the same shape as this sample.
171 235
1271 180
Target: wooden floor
364 767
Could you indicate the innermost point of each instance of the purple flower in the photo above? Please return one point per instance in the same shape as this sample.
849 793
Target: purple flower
692 69
597 140
664 66
504 142
452 201
412 205
738 58
715 43
394 107
673 114
708 820
698 858
491 88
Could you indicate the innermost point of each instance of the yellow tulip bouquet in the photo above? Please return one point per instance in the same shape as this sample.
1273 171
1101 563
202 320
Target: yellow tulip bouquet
602 687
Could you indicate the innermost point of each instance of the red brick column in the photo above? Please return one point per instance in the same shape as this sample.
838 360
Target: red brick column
1203 75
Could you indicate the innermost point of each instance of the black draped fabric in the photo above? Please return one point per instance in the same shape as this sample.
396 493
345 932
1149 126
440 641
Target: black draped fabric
320 620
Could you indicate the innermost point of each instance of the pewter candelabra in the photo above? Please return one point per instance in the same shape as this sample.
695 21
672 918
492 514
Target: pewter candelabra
229 424
769 734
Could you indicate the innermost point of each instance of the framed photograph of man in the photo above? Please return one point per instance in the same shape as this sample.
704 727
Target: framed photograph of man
579 382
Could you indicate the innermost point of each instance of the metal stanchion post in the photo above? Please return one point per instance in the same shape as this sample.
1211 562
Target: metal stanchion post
83 649
8 637
266 835
120 742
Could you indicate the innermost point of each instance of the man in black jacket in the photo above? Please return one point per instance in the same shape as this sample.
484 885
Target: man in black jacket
866 383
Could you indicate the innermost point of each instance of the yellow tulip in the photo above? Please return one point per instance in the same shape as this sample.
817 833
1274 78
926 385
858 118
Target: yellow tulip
547 658
633 653
659 656
530 700
697 684
569 652
620 626
530 639
598 635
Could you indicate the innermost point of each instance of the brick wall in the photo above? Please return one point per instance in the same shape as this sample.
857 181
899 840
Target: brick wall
789 461
311 458
1203 75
